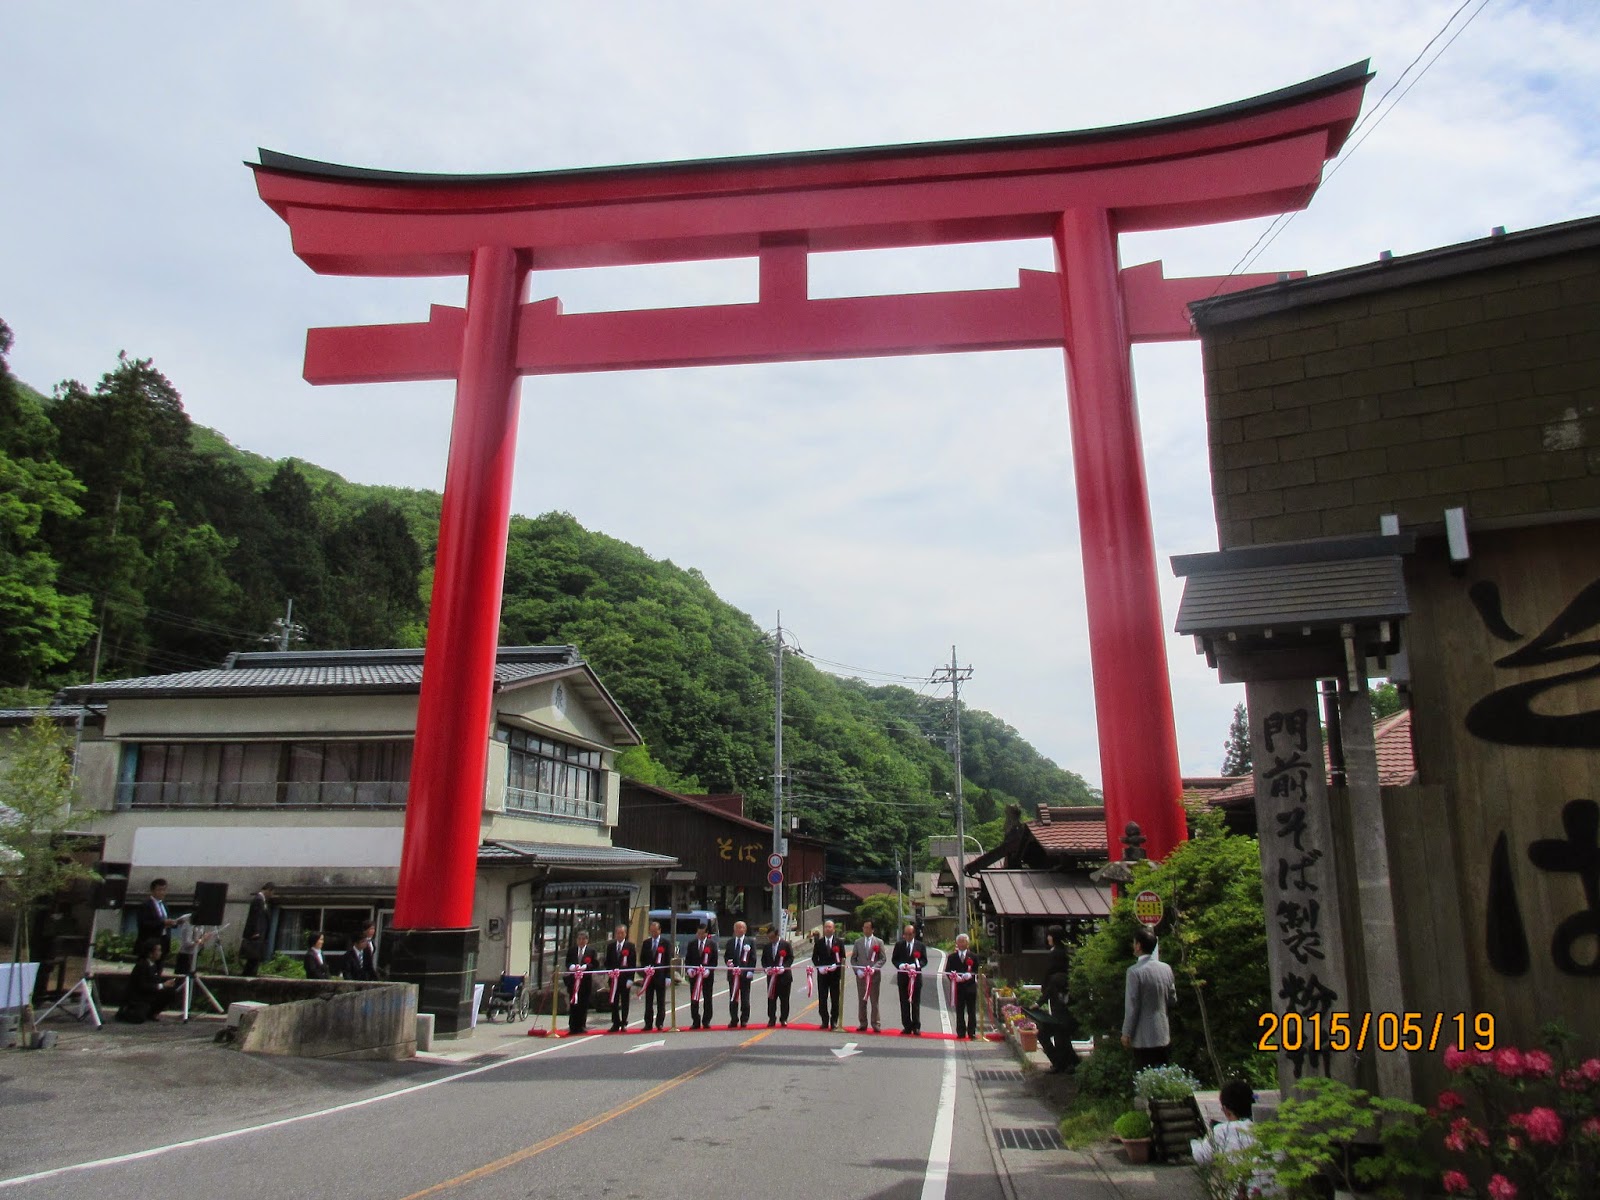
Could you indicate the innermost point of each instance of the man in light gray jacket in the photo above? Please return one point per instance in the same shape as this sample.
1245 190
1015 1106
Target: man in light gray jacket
1150 992
868 952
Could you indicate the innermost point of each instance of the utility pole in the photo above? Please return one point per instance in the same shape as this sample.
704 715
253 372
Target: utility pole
899 896
284 630
954 675
778 912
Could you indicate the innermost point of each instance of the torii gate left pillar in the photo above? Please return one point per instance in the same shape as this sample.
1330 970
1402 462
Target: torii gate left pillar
1081 190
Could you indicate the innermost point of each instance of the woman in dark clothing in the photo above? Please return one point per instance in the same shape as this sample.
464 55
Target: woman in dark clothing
315 967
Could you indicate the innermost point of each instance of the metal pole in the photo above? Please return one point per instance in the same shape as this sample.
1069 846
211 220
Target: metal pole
961 816
777 783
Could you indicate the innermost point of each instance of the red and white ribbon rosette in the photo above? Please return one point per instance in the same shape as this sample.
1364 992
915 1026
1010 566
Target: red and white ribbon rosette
699 974
613 973
577 972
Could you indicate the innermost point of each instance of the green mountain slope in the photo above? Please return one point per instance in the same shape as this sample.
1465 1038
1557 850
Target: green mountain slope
182 547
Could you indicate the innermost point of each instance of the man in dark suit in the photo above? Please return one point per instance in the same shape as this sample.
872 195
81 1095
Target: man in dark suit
581 963
154 924
655 952
740 956
358 961
253 944
147 992
963 967
621 956
700 958
827 955
910 958
777 956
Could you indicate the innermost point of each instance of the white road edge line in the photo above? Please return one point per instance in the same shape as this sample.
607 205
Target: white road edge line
154 1151
944 1122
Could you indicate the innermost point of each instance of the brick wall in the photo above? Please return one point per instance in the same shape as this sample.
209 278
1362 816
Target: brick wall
1481 389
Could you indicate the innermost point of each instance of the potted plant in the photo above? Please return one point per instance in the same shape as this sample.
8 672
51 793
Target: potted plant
1133 1128
1352 1139
1028 1036
1168 1096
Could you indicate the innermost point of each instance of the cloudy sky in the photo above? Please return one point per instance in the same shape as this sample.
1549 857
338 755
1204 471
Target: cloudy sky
889 508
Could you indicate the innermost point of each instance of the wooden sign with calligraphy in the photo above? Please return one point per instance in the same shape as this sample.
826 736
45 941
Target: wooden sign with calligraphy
1305 943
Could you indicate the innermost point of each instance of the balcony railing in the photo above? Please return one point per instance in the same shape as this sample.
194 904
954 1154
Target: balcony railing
553 807
345 794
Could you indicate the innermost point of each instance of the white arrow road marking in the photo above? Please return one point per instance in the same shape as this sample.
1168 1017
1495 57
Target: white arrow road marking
646 1046
849 1049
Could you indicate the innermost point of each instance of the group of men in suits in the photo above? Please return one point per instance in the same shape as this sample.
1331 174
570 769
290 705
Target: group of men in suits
740 959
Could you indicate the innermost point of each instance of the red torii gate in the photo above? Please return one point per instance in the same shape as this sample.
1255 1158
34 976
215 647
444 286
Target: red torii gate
1253 158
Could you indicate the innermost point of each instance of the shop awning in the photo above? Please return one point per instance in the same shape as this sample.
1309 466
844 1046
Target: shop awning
1043 894
557 854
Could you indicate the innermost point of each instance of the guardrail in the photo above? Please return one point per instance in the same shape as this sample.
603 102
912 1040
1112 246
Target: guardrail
559 808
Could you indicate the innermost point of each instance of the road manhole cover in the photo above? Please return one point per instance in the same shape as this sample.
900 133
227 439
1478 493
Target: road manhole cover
1032 1137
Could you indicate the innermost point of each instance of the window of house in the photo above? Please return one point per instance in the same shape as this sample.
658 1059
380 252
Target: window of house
341 926
552 779
339 774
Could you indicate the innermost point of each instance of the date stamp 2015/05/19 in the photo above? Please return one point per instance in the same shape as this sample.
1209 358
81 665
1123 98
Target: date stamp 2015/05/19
1294 1032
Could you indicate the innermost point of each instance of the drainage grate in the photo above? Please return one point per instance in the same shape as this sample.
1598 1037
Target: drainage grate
1035 1137
997 1075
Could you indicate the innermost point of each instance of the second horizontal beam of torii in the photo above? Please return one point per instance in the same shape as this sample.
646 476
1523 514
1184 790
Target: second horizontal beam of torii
779 328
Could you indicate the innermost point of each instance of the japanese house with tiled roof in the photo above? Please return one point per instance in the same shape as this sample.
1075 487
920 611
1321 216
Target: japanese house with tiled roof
292 768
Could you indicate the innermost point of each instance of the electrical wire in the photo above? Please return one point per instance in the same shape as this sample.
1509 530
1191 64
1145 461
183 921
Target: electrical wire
1375 116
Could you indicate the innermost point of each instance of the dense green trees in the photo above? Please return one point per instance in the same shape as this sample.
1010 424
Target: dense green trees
130 544
119 513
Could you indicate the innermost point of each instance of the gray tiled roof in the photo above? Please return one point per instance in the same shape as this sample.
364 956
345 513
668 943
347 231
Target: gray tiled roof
322 672
556 854
56 712
1293 595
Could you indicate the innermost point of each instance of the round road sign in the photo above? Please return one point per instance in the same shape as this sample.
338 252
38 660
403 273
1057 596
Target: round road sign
774 877
775 861
1147 908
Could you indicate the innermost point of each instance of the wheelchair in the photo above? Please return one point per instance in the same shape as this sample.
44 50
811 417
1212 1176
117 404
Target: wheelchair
510 997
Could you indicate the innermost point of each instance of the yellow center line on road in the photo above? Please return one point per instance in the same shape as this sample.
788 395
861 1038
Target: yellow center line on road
583 1127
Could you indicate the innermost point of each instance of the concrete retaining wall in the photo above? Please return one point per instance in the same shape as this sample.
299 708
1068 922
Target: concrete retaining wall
378 1021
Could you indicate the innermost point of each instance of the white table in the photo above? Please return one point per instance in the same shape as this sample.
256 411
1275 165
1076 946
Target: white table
16 983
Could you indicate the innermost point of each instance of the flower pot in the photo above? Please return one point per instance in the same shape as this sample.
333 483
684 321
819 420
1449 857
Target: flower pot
1137 1149
1029 1039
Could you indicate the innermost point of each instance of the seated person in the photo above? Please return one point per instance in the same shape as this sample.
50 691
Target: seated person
148 993
1233 1138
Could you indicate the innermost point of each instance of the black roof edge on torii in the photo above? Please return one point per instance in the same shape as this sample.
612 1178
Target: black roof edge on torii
1333 81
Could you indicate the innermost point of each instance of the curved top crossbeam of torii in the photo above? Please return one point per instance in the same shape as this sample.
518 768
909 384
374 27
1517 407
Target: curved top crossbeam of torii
1257 157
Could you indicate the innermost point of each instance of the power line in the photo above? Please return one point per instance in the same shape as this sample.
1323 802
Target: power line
1282 220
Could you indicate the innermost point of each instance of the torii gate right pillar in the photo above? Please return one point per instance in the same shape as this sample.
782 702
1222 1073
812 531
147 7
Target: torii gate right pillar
1133 696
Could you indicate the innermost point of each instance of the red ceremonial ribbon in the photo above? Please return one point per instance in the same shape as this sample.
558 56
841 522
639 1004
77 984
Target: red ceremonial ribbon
577 978
699 981
614 975
811 979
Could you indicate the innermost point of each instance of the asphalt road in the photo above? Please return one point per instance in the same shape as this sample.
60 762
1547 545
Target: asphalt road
756 1112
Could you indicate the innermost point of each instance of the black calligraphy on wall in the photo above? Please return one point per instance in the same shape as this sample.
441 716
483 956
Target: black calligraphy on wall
1507 715
1302 876
1577 853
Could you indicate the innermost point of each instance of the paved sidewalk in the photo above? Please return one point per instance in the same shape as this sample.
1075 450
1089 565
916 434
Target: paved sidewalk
1098 1173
